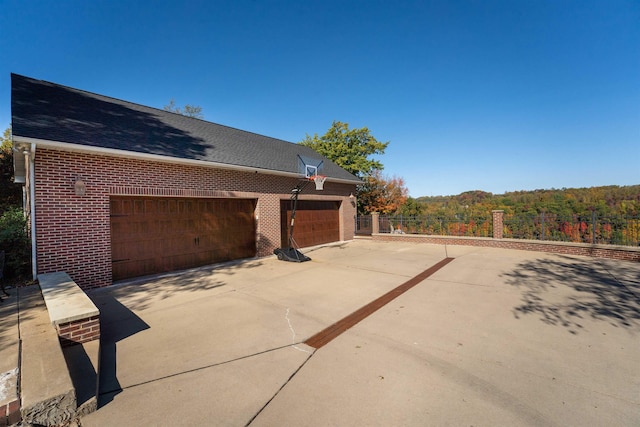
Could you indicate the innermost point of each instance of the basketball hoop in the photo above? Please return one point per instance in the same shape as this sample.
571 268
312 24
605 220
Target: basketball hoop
319 180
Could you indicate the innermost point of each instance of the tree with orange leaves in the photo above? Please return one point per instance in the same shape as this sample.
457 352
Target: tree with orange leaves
381 194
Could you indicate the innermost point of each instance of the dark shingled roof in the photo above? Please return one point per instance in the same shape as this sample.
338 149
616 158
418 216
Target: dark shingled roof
58 113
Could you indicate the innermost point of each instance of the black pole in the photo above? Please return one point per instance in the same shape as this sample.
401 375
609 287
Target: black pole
290 253
294 197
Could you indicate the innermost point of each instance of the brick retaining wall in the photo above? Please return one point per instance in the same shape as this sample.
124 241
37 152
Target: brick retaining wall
600 251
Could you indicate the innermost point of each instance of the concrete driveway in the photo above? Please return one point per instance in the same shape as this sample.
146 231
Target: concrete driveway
496 337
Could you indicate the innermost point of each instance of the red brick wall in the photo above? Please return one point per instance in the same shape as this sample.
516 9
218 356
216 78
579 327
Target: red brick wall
73 233
79 331
599 251
497 223
10 413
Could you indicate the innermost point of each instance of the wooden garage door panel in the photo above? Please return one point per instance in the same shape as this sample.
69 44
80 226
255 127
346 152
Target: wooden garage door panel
317 222
152 235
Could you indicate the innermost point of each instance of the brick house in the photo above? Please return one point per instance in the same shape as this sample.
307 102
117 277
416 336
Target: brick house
116 190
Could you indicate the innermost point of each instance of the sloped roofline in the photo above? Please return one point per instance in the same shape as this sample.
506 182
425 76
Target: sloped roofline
49 115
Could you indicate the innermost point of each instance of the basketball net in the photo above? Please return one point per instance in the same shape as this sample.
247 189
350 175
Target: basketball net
319 180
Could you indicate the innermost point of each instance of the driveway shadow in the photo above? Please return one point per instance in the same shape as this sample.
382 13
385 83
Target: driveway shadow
9 321
142 292
117 322
564 291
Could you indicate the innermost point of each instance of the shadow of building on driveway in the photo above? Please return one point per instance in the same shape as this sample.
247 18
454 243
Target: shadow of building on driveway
142 292
564 291
117 322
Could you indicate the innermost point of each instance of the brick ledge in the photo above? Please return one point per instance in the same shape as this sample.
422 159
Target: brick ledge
626 253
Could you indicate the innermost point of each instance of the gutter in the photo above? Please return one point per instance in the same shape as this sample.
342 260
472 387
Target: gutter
29 152
79 148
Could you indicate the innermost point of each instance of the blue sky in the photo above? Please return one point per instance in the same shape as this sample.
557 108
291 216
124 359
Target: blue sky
472 95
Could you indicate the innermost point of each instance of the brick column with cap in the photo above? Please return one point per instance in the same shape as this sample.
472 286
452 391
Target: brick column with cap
375 223
498 216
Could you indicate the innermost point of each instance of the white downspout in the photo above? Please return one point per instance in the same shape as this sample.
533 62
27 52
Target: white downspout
30 159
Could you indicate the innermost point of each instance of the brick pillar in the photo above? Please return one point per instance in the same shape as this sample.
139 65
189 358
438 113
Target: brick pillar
497 223
375 223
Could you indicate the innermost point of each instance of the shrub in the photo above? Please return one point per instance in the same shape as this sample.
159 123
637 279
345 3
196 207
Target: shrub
15 242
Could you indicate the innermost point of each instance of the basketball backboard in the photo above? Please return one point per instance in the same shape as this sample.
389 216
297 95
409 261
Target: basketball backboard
309 167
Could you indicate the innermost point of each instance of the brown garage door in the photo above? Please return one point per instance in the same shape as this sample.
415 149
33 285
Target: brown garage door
152 235
317 222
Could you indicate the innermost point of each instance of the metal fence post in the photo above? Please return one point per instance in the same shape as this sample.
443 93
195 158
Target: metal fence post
593 226
542 219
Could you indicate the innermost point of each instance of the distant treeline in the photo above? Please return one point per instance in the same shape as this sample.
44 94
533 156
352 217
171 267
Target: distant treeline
605 201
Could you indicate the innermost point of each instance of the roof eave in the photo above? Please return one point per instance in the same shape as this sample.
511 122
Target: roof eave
79 148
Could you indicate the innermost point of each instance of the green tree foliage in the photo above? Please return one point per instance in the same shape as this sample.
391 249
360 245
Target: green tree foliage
188 110
350 149
15 242
605 201
10 193
604 215
6 140
411 207
381 194
14 239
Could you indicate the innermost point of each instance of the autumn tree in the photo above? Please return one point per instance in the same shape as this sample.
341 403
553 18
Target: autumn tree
381 194
188 110
605 201
350 149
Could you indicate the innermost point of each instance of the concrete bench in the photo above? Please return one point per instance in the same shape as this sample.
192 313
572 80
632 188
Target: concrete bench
72 313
